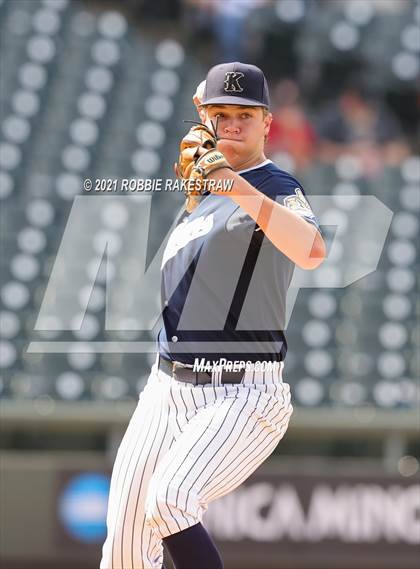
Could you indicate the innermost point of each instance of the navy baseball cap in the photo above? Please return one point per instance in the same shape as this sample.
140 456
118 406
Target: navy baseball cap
236 84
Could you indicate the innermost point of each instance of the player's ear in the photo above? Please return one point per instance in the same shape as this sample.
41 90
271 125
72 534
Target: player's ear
202 113
268 119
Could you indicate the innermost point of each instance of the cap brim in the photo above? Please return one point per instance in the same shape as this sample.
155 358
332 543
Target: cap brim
229 100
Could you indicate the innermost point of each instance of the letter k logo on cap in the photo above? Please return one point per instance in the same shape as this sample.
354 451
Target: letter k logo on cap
232 82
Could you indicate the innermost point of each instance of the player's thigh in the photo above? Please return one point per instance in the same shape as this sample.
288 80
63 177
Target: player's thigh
147 436
251 431
265 426
224 435
140 417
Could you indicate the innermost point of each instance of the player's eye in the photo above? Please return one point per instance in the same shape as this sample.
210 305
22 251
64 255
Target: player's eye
246 115
219 115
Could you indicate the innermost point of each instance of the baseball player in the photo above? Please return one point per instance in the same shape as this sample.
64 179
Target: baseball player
215 405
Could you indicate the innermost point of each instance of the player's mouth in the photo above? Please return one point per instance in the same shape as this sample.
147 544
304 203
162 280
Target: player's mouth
229 138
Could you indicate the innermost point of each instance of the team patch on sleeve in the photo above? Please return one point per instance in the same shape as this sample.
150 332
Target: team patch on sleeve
298 203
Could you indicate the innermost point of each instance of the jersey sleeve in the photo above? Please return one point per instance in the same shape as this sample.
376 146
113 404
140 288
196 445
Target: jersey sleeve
279 186
287 191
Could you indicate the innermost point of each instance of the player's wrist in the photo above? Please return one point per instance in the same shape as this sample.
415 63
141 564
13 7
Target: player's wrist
208 163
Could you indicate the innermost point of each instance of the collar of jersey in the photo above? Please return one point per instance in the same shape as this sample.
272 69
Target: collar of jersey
264 163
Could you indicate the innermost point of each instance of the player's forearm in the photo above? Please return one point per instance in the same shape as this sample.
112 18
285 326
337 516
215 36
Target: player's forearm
290 233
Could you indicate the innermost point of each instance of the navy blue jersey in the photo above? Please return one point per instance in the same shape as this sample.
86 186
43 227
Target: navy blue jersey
224 284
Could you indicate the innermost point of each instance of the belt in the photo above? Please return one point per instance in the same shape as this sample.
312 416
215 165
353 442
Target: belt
180 372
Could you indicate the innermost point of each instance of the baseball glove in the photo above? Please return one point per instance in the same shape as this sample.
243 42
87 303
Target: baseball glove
198 157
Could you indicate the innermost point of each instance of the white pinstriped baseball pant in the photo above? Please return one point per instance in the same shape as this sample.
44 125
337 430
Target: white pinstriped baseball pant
185 446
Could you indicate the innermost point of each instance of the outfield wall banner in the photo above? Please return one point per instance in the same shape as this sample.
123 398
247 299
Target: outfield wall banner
278 520
308 517
333 521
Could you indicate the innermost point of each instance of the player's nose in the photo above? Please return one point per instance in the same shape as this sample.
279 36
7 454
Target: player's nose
232 127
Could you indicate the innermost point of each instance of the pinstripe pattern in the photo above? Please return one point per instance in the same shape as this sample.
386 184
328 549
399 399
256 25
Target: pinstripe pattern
133 525
129 540
258 454
189 447
185 446
123 468
191 483
219 464
250 447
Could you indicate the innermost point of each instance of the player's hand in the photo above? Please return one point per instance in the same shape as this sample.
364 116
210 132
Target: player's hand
196 142
197 159
177 173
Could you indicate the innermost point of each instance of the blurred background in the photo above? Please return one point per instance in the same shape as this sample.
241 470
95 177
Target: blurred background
95 89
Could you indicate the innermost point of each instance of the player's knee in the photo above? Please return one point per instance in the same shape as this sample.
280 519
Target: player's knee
158 509
167 510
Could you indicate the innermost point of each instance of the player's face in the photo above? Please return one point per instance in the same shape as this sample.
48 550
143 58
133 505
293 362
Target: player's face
241 130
